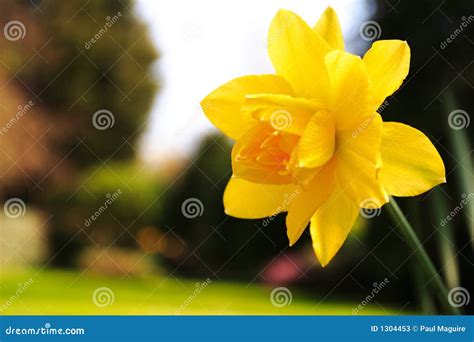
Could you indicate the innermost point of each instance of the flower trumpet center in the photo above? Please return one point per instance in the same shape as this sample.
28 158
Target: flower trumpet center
274 152
263 155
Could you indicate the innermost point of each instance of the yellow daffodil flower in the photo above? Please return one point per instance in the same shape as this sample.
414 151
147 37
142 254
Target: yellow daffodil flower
309 140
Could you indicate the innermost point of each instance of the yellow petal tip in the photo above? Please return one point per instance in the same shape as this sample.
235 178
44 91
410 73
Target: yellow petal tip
203 103
282 11
291 240
324 263
329 9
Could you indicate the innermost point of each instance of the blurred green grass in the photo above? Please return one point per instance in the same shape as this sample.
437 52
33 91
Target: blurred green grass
69 293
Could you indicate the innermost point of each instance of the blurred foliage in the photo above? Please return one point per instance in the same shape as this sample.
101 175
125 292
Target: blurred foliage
121 196
138 185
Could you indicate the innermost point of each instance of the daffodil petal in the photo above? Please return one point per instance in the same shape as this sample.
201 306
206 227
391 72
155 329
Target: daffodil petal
387 62
329 28
297 54
331 224
350 97
301 175
282 101
411 164
243 199
305 204
364 139
283 112
222 106
316 145
359 164
358 178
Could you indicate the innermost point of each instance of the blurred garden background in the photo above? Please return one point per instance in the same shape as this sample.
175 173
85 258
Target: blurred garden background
111 177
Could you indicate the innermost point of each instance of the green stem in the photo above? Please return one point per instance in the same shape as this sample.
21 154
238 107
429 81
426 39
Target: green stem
427 304
424 260
461 150
446 240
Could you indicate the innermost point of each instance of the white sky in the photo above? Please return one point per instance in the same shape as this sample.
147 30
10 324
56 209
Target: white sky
206 43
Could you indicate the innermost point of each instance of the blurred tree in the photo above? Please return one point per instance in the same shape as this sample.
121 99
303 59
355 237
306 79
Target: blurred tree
77 58
83 71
